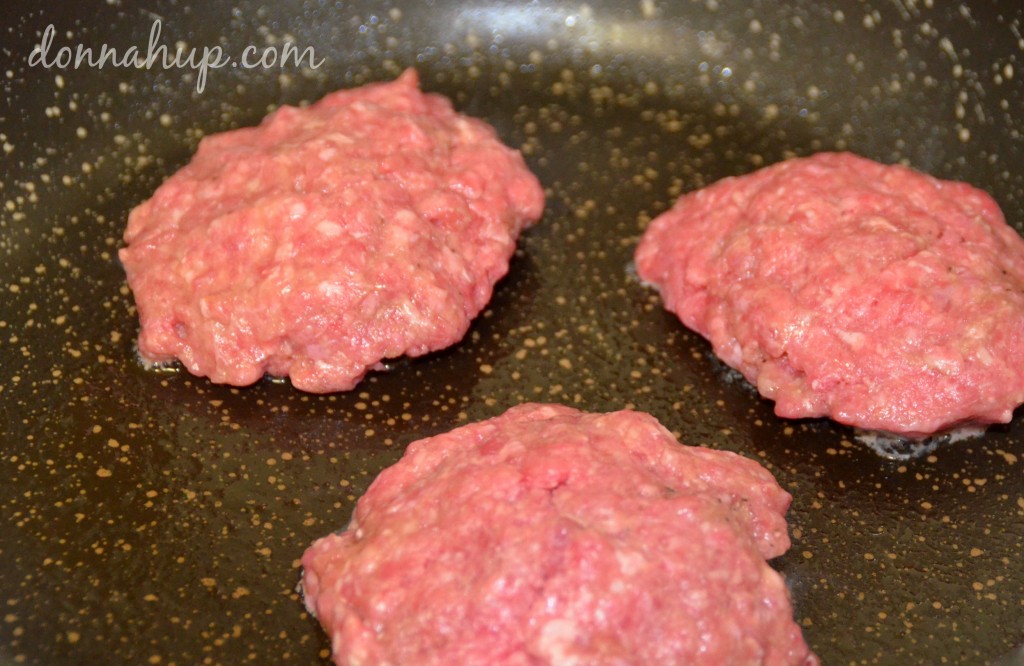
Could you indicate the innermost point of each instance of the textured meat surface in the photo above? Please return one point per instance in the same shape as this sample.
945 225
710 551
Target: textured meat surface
553 536
369 225
875 295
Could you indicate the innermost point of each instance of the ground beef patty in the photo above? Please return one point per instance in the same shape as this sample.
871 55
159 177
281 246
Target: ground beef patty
552 536
875 295
369 225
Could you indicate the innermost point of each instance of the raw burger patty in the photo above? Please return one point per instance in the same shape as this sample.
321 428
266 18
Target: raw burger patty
552 536
875 295
369 225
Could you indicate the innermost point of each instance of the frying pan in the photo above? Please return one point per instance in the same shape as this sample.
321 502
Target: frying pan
153 517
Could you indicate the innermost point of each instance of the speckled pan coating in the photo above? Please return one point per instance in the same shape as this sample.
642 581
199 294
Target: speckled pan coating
152 517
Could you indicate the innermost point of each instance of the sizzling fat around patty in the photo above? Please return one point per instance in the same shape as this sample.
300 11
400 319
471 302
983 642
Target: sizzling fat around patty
875 295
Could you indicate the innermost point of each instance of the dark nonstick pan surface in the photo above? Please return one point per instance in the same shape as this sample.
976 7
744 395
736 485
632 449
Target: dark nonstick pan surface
152 517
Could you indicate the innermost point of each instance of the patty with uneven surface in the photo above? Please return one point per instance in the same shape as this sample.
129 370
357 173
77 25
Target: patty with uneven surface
553 536
875 295
369 225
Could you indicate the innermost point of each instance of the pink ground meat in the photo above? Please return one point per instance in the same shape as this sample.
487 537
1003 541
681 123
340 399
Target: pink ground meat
369 225
553 536
875 295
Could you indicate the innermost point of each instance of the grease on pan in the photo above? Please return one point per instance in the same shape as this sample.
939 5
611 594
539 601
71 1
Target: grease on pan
913 562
